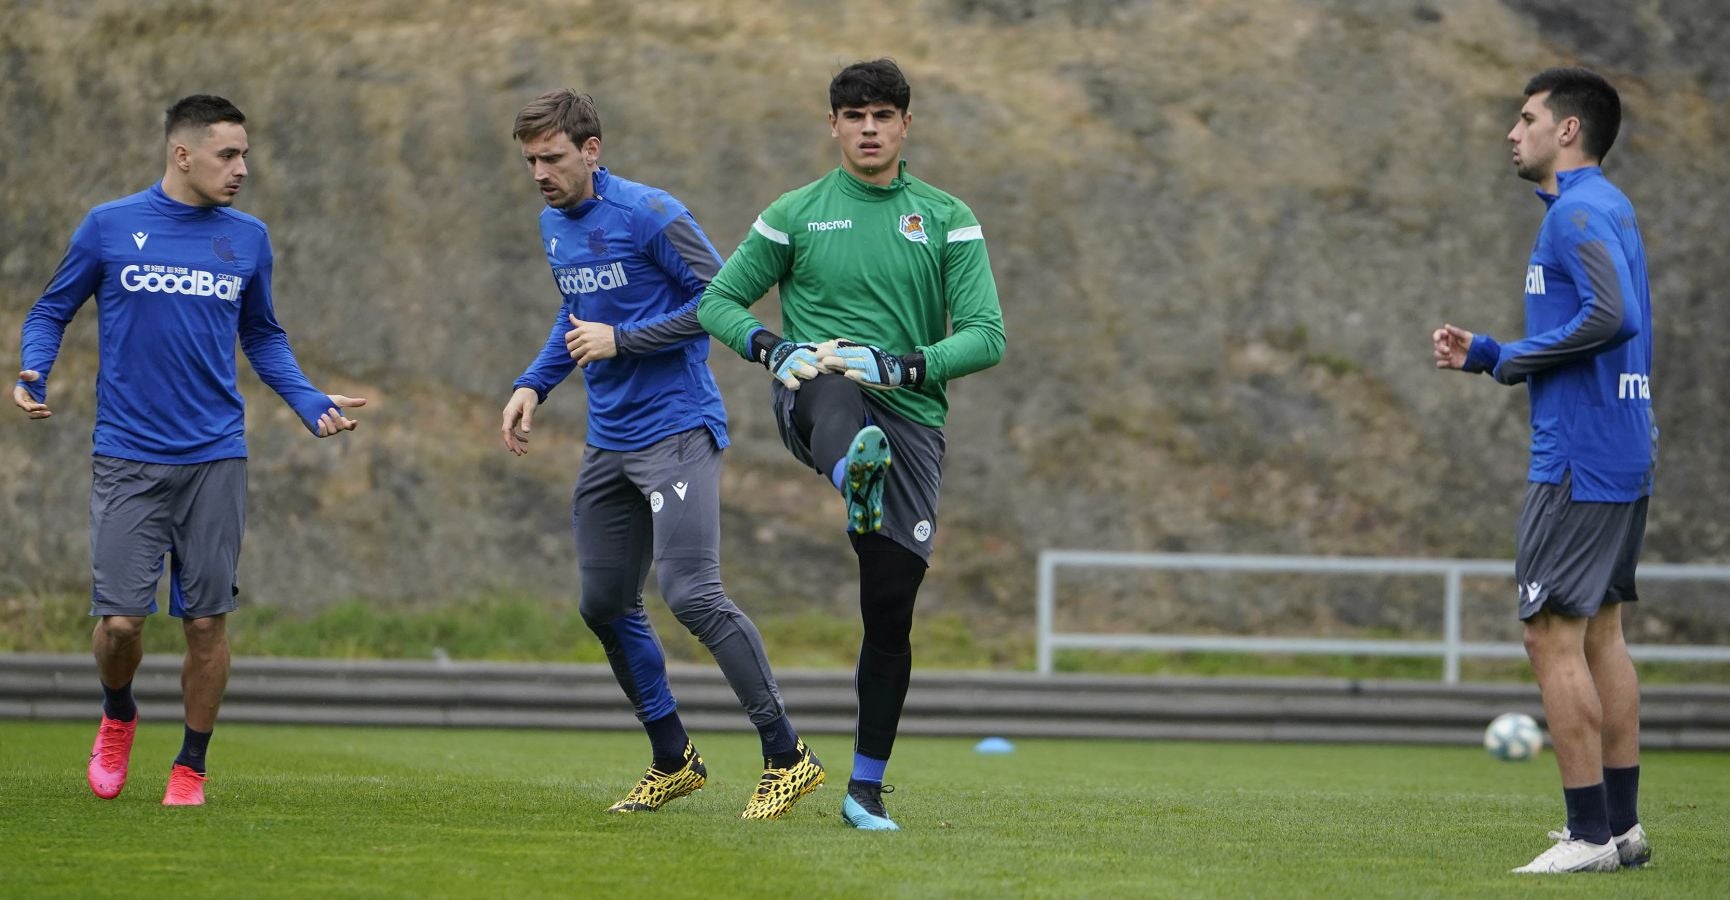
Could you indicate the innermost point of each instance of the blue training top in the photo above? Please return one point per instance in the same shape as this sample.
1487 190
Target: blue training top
1587 355
174 286
632 257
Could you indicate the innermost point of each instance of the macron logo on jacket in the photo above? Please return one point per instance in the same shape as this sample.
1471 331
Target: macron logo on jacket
1633 386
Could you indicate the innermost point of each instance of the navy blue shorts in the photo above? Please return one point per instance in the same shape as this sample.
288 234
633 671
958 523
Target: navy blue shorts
1574 557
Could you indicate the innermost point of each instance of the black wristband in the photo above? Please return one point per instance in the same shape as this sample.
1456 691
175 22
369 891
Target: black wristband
913 369
762 342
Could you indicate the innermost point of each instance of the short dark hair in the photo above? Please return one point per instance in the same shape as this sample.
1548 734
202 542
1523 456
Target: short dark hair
561 110
865 83
1585 95
199 111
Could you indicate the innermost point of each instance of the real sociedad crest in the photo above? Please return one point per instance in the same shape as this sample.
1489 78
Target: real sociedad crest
913 227
598 241
223 248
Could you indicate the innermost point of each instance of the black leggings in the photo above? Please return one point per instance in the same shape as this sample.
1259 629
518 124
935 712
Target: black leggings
827 413
889 577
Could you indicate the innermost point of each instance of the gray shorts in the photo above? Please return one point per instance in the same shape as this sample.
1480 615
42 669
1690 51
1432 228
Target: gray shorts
910 490
195 514
1574 557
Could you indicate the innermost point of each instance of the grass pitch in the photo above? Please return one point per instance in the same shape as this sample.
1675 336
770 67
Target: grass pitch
320 812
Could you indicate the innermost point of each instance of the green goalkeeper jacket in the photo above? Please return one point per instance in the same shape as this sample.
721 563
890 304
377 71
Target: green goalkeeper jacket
901 267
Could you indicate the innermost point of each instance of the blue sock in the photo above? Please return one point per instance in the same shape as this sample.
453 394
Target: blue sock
117 703
1588 813
868 768
667 740
1622 791
780 742
192 750
838 473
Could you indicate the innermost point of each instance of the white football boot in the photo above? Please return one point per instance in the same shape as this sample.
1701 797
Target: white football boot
1570 855
1633 848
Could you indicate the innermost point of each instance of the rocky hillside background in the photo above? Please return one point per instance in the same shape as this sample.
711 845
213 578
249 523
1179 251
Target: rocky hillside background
1222 231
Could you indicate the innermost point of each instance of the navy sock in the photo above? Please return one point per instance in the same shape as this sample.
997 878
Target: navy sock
667 740
780 742
117 703
1622 790
192 750
1588 813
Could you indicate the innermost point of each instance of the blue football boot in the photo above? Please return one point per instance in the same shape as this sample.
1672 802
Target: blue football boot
868 462
863 808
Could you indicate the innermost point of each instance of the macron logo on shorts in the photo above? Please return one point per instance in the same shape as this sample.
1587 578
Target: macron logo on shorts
679 487
1529 592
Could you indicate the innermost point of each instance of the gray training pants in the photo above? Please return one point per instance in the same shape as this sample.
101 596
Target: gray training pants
663 504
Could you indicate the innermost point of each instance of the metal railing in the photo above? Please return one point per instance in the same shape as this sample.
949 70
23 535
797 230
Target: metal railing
1451 648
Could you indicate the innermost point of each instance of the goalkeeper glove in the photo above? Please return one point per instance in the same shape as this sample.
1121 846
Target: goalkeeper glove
788 361
874 368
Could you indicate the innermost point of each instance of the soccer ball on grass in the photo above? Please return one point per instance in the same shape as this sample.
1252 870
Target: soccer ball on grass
1513 737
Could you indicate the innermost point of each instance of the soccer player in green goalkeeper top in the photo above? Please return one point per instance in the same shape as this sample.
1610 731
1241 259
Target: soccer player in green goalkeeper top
886 296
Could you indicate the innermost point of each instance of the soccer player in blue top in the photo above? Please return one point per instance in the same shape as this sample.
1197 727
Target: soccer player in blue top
178 276
631 264
1586 361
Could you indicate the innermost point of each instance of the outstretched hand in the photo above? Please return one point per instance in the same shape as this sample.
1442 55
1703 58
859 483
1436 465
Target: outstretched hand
1450 345
333 420
22 399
